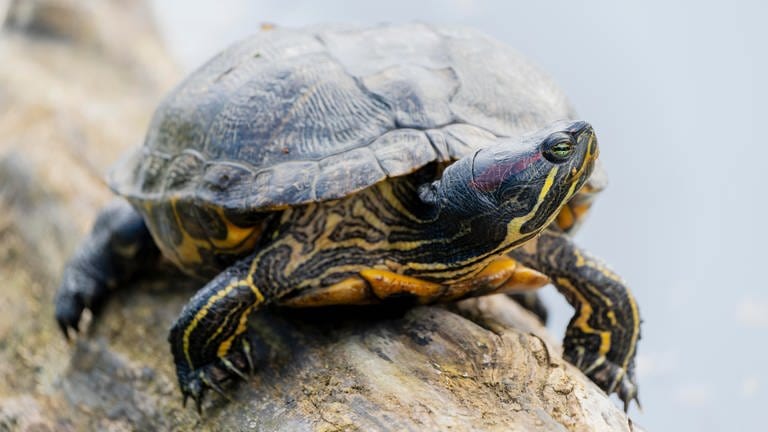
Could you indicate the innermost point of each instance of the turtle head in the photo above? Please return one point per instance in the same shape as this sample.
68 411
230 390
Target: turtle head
512 190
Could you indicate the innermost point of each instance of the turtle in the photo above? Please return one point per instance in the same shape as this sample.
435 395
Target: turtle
337 165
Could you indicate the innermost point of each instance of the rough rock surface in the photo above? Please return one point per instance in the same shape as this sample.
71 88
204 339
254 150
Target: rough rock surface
78 84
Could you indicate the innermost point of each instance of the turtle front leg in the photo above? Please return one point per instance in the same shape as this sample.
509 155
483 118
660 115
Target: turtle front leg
207 340
118 244
602 336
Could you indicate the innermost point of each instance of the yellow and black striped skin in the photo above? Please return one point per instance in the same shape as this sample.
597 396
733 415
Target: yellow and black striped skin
602 337
568 220
202 239
429 229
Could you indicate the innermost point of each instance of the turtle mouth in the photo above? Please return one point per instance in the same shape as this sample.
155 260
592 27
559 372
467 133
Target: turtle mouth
591 154
579 174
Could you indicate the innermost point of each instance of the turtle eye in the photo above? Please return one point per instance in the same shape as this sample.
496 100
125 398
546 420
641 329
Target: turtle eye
559 148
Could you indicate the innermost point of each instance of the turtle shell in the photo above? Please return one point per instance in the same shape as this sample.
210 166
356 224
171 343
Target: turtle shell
294 116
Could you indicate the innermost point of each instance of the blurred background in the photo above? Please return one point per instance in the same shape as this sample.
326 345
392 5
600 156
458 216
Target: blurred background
676 91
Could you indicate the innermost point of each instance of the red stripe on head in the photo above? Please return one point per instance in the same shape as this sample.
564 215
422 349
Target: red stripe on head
495 174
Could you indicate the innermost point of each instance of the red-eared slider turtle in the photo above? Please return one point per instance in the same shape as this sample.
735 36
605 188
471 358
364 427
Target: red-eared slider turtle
351 166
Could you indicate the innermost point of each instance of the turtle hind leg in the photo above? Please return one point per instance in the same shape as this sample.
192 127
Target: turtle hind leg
117 245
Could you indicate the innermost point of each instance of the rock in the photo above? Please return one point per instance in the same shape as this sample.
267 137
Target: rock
77 89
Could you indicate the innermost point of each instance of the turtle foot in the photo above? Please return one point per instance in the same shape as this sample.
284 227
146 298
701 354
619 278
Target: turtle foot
609 376
194 383
77 292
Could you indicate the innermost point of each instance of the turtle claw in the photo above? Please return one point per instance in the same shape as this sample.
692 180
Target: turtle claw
609 376
627 392
65 329
77 292
211 384
246 346
195 383
234 369
69 309
193 388
199 405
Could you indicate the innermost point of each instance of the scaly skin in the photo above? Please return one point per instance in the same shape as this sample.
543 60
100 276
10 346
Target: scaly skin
602 336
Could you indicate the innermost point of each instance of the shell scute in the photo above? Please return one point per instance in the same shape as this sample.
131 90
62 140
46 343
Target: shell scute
288 117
